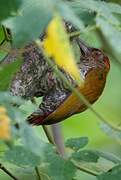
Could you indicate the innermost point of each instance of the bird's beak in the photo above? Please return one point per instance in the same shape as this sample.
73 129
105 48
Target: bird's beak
85 50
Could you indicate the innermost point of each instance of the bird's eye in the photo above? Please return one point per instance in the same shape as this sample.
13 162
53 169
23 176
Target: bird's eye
97 53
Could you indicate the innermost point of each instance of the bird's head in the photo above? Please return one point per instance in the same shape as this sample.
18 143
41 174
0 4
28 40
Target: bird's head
94 56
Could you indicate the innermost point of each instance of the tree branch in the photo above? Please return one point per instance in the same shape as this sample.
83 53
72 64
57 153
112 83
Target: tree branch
7 172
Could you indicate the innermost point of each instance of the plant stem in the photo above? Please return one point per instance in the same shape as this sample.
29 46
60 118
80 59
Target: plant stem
38 174
58 139
74 34
49 137
78 33
7 172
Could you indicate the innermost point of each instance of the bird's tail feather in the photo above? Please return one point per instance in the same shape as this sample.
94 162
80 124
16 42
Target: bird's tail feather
36 119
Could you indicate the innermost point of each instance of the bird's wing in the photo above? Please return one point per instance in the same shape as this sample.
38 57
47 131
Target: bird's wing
60 103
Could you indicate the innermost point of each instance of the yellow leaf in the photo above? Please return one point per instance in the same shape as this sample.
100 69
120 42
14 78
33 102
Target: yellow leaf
57 45
4 124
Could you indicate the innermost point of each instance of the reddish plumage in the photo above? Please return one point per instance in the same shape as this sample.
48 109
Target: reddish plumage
94 66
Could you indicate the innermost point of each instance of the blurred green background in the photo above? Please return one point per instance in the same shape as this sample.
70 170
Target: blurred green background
86 123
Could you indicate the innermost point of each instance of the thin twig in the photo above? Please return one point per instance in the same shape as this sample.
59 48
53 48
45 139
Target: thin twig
58 139
7 172
49 137
38 174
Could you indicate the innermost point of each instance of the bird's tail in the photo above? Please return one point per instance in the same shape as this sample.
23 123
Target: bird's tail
37 119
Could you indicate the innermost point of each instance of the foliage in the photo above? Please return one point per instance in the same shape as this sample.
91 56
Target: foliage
9 70
24 148
76 143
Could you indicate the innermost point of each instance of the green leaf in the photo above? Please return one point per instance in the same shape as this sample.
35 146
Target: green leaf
113 174
76 143
102 8
33 17
86 155
3 44
31 140
1 35
55 166
108 156
7 98
2 55
6 74
115 8
68 14
20 156
112 34
61 169
8 8
58 168
86 17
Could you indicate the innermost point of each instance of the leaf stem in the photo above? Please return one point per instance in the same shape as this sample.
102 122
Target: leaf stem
7 172
38 174
78 33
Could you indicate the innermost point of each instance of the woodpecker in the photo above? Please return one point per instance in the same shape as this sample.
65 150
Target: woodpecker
36 78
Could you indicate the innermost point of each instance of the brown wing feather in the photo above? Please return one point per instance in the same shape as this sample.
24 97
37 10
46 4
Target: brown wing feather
92 89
